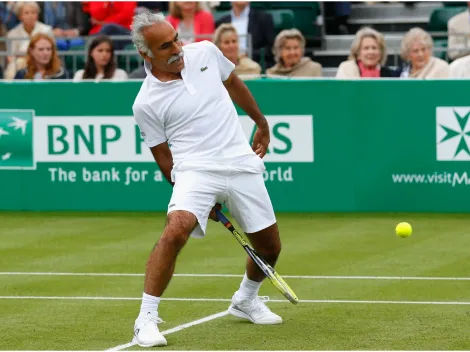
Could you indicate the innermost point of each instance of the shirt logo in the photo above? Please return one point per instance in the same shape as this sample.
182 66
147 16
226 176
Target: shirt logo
204 68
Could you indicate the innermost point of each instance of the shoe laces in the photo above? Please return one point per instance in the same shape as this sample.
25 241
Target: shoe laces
259 306
154 318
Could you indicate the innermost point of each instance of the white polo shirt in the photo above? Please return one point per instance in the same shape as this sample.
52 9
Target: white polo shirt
195 115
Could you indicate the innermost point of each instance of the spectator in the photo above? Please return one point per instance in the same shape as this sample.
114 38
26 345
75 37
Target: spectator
1 72
112 18
7 15
342 12
115 16
289 50
258 24
3 33
190 21
338 14
416 51
100 63
66 18
154 6
226 39
459 35
460 68
28 13
367 58
42 61
138 73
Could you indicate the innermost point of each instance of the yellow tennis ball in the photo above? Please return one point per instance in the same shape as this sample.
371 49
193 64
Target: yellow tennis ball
403 229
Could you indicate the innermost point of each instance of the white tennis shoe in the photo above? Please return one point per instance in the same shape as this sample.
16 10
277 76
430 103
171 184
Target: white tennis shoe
254 310
146 333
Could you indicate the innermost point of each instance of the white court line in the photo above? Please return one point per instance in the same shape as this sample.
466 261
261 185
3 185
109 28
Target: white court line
91 298
428 278
175 329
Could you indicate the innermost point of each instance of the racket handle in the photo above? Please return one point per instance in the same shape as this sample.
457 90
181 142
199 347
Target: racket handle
221 217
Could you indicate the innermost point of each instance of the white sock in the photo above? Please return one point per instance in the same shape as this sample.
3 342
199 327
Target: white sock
248 288
149 303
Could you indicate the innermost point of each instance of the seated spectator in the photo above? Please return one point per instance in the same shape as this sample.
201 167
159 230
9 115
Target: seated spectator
100 63
28 13
367 58
226 39
154 6
67 19
460 68
289 49
138 73
7 15
190 21
42 61
337 13
258 24
111 18
3 33
116 13
458 29
416 51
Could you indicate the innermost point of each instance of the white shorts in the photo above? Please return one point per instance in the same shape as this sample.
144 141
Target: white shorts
239 186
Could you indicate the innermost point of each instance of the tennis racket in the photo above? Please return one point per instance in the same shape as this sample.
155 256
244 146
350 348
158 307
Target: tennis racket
267 269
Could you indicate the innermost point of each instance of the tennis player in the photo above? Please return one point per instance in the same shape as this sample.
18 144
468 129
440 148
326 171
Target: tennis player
186 116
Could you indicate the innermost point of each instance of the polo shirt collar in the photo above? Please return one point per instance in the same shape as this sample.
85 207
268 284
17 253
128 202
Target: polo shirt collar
184 75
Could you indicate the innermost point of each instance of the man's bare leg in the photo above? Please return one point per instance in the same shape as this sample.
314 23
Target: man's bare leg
268 245
161 262
160 268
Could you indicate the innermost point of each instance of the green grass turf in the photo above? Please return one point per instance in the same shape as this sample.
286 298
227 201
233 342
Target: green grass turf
313 244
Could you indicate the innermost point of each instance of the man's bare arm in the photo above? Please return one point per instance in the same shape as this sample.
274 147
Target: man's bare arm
242 96
162 155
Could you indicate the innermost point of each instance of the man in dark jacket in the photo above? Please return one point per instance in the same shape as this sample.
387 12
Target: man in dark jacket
255 22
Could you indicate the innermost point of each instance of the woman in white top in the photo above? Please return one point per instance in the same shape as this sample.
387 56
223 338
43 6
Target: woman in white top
100 62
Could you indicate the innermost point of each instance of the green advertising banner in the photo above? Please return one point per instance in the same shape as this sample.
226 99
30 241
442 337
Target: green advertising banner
335 146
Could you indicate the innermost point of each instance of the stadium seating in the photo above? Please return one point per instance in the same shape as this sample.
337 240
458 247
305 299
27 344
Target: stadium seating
282 18
133 59
454 3
441 46
79 59
305 15
219 14
440 17
286 14
438 23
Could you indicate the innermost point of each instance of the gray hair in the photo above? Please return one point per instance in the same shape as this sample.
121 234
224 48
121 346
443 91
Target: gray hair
412 36
19 6
367 32
281 39
139 23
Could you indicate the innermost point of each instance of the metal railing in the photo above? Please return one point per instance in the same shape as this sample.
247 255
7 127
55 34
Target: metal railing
123 54
129 57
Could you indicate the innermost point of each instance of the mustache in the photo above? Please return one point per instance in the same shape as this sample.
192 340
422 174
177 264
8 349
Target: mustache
175 57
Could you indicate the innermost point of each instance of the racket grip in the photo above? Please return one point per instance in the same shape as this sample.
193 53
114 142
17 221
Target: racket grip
221 217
